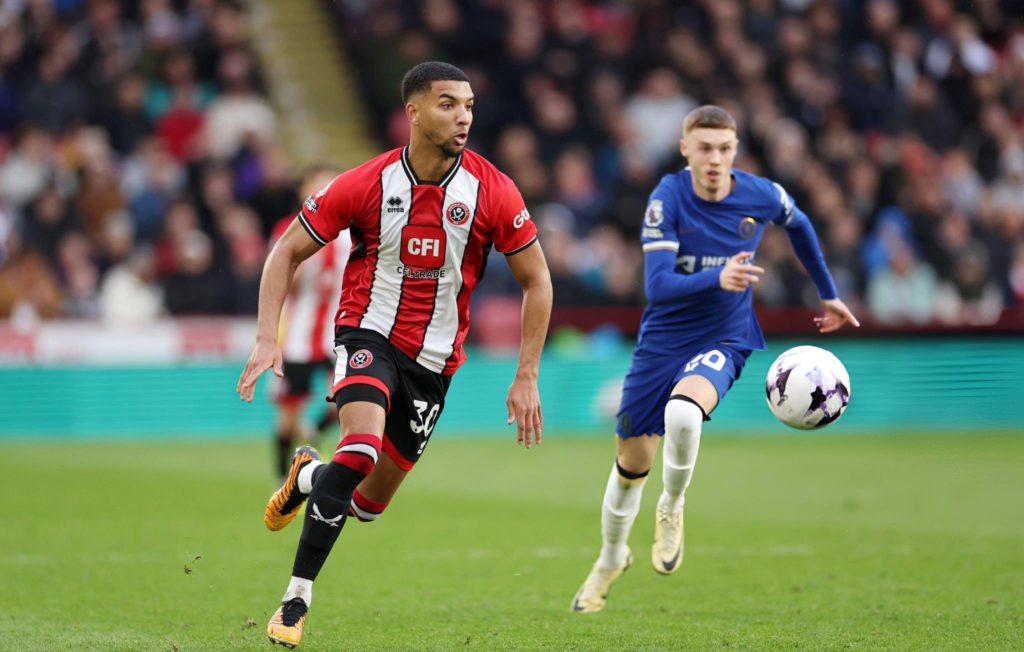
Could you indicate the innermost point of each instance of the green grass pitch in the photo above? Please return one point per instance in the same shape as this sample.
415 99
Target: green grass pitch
803 542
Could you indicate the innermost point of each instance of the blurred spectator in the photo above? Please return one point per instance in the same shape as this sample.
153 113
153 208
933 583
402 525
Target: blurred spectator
576 188
962 183
80 275
867 95
29 289
176 103
783 282
266 181
126 122
150 181
971 297
46 221
905 291
27 168
129 294
195 288
555 225
240 229
55 99
238 114
654 114
842 240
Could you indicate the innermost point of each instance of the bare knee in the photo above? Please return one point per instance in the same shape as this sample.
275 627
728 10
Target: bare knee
361 418
699 390
636 454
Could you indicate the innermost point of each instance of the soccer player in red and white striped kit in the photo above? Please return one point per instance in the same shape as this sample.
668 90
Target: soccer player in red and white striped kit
307 328
422 219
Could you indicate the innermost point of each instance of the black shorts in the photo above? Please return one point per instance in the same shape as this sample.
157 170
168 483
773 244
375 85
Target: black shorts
298 379
370 368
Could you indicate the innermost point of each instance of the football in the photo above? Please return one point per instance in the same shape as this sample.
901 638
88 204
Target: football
807 387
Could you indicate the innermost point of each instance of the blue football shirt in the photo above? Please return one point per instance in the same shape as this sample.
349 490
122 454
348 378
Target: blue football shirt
704 235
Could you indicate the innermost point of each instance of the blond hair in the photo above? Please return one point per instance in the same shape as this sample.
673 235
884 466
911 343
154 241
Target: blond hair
708 116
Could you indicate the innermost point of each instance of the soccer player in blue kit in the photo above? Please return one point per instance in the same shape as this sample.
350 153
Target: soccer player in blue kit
700 231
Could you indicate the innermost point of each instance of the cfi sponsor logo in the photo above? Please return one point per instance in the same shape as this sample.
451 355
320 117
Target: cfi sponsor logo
457 213
395 205
747 228
311 205
360 359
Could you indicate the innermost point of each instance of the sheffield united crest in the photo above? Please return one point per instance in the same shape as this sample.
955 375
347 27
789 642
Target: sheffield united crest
457 213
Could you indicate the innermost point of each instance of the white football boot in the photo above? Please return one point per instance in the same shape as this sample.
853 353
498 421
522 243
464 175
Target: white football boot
667 552
593 595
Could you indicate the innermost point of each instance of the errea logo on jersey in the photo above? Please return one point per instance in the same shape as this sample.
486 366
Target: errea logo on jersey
521 218
395 205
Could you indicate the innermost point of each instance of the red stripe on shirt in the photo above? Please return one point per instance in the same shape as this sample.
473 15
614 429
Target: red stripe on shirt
361 271
473 262
416 306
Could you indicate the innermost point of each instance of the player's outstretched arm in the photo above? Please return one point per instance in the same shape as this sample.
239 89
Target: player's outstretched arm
835 316
805 244
291 249
531 270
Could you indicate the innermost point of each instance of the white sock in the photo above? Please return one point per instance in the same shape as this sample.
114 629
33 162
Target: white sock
621 504
683 421
299 588
305 478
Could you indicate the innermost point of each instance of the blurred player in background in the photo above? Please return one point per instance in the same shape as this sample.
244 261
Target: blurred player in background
423 218
307 330
699 235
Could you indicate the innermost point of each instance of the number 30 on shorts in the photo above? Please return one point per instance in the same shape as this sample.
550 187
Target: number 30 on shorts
712 358
427 420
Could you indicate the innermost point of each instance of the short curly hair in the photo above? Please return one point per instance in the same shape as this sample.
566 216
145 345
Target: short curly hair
421 76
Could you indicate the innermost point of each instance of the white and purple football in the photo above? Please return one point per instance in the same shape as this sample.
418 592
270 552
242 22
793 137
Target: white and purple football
807 387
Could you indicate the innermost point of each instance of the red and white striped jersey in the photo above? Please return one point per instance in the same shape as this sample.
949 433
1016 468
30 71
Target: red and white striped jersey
419 248
307 326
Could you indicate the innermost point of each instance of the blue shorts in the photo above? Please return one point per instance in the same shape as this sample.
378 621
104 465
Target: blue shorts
652 376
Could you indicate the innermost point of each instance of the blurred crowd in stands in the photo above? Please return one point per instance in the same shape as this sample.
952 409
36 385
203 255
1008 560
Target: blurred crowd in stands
139 173
897 126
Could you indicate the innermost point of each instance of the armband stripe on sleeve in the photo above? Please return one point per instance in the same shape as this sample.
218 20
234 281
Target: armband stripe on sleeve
525 246
662 245
309 229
